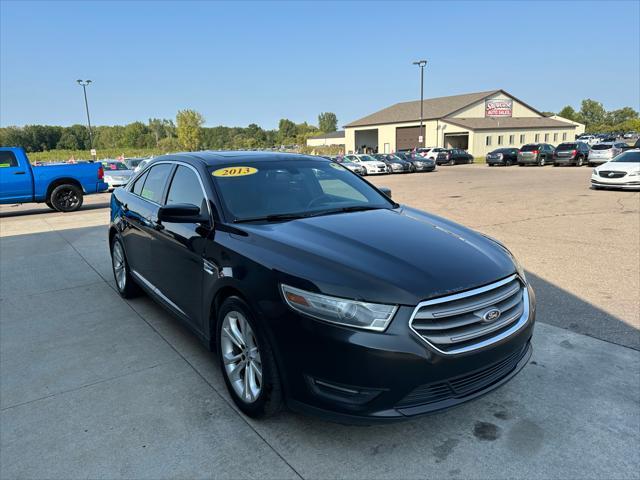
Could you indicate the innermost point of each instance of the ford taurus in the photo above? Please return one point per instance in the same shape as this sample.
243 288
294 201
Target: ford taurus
316 290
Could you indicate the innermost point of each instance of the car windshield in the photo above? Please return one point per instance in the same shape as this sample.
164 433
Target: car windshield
275 190
628 157
567 146
602 146
367 158
114 166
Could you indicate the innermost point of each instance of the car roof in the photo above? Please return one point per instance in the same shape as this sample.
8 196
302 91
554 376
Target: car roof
212 158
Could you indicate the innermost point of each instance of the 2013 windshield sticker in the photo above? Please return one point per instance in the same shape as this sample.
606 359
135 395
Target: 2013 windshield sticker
238 171
336 166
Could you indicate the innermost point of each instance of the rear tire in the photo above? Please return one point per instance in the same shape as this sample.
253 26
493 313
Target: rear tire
50 205
541 161
247 361
66 198
125 285
580 162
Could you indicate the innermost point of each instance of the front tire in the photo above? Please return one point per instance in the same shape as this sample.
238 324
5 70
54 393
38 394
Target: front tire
247 361
125 284
66 198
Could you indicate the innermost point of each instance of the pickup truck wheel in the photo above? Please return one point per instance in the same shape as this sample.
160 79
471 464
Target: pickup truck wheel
49 204
247 360
125 285
66 198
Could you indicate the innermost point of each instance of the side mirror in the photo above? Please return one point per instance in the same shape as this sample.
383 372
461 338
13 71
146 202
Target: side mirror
180 213
386 191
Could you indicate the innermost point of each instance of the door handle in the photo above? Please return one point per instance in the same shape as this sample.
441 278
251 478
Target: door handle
19 173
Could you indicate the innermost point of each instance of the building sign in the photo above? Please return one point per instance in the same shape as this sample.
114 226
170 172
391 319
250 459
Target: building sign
499 107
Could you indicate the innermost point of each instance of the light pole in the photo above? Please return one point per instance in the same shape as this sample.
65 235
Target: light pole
421 64
83 84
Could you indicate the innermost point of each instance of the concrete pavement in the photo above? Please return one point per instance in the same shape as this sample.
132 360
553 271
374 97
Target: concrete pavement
95 386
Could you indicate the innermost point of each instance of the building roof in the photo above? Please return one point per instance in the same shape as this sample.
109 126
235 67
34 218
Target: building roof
432 108
338 134
489 123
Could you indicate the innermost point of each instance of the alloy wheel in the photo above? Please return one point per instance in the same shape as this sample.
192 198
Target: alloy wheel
241 356
66 199
119 266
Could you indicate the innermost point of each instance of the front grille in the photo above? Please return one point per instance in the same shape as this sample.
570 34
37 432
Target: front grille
612 174
465 385
474 319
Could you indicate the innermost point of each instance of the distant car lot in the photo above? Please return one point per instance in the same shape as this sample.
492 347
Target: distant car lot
134 395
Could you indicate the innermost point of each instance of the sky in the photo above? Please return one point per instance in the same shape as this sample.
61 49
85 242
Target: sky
240 63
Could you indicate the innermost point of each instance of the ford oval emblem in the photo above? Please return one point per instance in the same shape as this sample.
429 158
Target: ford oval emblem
491 315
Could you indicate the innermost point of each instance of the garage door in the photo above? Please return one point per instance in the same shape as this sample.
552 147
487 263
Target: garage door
407 137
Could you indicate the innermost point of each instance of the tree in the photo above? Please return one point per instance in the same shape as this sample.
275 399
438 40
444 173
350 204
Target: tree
328 122
161 128
189 124
569 113
286 130
592 113
621 115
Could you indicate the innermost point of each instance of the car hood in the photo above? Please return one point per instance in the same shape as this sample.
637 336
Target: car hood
619 166
397 256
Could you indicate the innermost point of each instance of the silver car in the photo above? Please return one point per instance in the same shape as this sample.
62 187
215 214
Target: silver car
116 173
604 152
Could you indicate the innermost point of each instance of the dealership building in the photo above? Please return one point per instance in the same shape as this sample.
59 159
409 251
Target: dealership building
476 122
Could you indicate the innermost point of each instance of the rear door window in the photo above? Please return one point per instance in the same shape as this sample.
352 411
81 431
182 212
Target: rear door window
155 182
139 183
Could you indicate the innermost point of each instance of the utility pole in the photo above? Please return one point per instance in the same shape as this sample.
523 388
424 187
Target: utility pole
421 64
83 84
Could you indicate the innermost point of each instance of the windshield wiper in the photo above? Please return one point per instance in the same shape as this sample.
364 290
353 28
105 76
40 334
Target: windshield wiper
273 217
353 208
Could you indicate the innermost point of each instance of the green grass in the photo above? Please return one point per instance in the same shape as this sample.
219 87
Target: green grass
64 155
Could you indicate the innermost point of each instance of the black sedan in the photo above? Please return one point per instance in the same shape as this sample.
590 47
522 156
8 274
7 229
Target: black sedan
420 163
503 156
290 269
453 156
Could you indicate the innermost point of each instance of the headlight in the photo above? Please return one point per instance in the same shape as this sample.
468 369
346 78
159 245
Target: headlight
634 174
369 316
594 172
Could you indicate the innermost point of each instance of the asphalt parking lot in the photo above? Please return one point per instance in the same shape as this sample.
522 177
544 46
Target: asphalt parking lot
95 386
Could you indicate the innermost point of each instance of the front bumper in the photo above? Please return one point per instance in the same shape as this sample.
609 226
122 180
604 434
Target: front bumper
627 184
356 376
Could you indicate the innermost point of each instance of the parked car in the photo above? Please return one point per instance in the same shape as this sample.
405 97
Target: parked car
604 152
420 164
502 156
621 172
61 186
637 144
630 135
116 173
354 167
571 153
431 152
535 154
373 166
588 139
453 156
298 278
132 163
394 164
